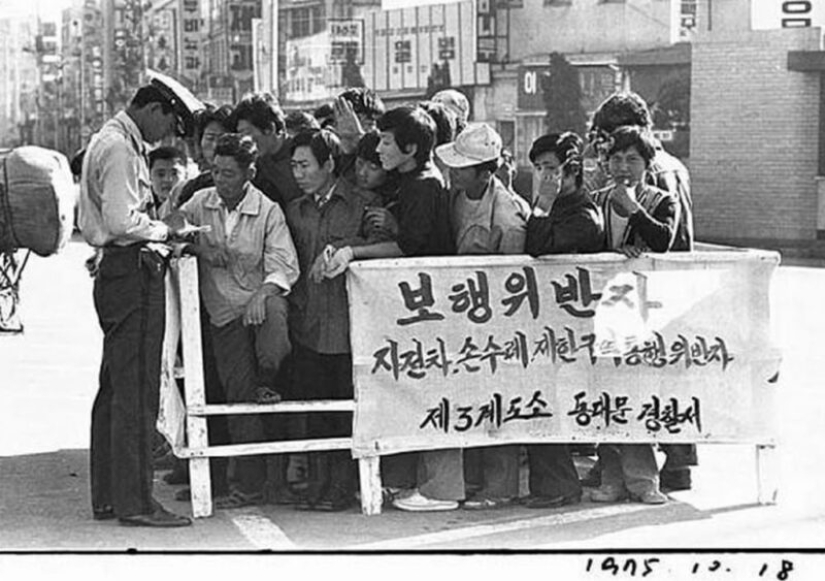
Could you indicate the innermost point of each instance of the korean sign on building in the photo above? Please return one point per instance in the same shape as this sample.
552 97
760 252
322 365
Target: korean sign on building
346 41
191 39
162 46
463 351
531 80
309 74
404 45
770 14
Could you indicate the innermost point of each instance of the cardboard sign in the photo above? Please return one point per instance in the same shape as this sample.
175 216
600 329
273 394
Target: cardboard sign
471 351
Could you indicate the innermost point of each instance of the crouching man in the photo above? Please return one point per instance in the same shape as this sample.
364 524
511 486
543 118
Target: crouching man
247 264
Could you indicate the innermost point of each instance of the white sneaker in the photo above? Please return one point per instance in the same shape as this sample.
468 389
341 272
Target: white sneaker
416 502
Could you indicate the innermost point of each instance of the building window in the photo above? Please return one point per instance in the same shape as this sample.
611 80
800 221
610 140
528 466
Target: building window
307 21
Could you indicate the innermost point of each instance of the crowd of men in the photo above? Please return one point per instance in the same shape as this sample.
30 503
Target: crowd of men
280 207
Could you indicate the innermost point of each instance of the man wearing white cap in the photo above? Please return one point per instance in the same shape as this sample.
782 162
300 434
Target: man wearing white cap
487 218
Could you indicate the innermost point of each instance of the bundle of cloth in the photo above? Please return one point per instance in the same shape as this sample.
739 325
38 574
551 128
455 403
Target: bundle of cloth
37 198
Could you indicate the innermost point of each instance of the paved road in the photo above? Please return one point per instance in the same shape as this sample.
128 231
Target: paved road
48 381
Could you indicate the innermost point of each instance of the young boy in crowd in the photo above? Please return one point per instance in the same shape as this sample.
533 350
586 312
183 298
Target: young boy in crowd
167 168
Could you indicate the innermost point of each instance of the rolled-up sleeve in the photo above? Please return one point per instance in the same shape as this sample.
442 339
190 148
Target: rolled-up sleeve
280 259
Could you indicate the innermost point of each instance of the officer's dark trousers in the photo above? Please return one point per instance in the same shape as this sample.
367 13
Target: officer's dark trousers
129 299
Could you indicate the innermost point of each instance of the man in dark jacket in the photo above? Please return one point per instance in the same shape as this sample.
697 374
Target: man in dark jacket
564 220
259 117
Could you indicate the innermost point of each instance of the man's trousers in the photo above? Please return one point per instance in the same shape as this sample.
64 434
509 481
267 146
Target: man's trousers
129 297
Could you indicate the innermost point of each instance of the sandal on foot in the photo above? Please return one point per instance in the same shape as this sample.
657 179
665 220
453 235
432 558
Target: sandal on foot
238 499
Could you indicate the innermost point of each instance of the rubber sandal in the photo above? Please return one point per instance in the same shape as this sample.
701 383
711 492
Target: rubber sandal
267 395
237 499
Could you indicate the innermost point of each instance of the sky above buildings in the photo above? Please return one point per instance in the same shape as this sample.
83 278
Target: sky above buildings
49 9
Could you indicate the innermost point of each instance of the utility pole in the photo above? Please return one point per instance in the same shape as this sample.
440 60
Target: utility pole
83 79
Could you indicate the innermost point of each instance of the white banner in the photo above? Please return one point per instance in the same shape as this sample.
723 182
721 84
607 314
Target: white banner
469 351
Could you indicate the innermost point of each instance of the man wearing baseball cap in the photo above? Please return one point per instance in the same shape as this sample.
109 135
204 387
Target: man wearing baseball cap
487 218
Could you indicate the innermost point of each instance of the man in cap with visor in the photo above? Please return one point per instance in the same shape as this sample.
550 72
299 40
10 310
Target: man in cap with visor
116 216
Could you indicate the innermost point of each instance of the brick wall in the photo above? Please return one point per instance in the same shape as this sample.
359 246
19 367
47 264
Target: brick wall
754 136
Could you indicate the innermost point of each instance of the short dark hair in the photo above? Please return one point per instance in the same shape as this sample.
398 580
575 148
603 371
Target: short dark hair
239 147
212 114
567 147
364 102
151 94
410 126
298 121
622 108
629 136
368 147
261 110
446 123
323 144
325 115
166 152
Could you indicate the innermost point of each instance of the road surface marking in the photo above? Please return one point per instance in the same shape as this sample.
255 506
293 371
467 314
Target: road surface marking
262 532
470 532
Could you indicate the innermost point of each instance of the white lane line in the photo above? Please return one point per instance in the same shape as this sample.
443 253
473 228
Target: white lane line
262 532
461 534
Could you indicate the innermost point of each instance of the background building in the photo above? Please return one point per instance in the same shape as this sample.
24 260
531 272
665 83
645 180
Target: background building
758 124
19 83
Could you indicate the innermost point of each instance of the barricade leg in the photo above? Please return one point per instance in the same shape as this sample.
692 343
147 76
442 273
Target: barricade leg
766 473
369 469
201 487
196 430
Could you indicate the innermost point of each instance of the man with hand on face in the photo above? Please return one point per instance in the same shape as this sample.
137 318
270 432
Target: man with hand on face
330 214
116 216
564 221
667 173
258 116
247 265
638 218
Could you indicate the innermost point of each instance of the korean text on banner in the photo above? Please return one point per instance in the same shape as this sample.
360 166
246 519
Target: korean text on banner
469 351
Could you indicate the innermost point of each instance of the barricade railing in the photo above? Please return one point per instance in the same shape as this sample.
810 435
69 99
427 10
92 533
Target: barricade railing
184 322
